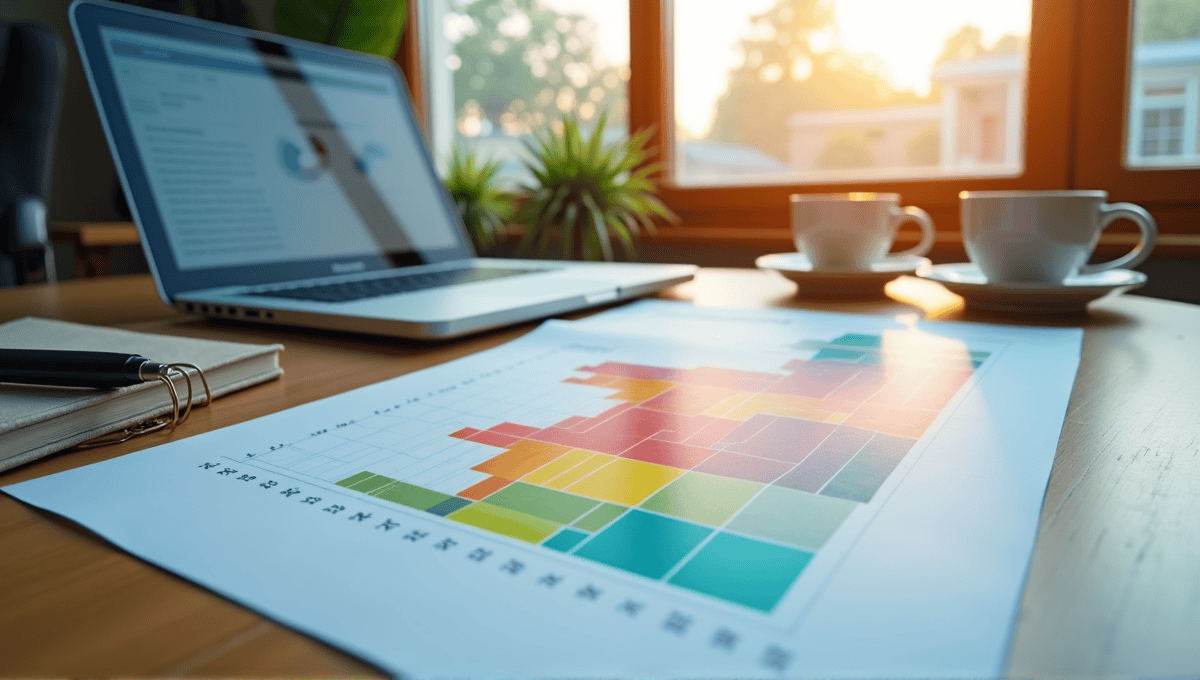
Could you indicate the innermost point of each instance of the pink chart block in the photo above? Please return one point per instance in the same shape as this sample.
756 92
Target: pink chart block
751 427
631 371
738 466
620 432
825 462
713 432
814 379
786 439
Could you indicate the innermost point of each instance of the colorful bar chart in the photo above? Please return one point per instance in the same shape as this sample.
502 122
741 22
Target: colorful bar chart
720 481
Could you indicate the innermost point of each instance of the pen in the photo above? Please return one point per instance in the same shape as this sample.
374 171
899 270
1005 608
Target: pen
71 368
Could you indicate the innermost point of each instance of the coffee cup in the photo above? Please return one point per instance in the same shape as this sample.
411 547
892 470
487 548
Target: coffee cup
1045 236
853 230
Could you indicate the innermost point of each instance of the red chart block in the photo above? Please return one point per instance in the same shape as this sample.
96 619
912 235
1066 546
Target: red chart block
493 439
514 429
670 454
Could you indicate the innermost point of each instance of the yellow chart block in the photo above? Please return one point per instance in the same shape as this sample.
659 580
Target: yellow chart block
625 481
788 405
557 466
597 461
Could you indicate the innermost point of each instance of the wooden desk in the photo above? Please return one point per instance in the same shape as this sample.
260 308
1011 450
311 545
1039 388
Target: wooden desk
1113 587
93 243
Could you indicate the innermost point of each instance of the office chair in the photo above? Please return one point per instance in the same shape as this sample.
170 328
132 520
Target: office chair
31 79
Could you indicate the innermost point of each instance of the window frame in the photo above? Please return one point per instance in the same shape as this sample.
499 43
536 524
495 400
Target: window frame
1102 137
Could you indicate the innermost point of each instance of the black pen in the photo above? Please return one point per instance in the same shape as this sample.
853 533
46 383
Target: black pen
72 368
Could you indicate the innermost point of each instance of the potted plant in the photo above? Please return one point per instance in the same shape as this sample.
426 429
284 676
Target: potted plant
587 192
484 208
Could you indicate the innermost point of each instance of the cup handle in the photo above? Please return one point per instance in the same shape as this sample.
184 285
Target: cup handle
1110 213
912 212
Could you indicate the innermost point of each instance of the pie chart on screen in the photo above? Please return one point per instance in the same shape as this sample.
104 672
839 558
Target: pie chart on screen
306 160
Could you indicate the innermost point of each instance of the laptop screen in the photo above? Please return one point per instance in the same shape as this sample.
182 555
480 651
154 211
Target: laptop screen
251 160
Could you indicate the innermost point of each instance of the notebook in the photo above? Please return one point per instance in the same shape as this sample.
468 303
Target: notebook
36 421
282 181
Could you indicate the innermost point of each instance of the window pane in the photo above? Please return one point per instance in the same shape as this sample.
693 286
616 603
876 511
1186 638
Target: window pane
807 91
499 70
1164 85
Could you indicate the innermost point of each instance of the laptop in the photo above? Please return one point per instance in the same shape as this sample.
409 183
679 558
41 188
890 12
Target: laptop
281 181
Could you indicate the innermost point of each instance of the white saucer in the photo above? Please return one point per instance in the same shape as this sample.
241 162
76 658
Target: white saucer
1073 295
840 282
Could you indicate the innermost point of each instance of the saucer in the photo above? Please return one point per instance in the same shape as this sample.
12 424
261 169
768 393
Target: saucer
1073 295
840 282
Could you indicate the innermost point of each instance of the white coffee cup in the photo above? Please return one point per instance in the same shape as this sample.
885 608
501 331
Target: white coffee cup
1045 236
854 230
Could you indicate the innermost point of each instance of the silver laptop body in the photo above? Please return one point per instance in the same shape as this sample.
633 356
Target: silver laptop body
281 181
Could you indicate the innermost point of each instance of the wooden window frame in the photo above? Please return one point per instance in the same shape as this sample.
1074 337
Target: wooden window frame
1172 195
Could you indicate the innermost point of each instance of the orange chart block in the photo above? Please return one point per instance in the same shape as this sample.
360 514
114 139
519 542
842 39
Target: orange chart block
899 421
484 489
521 458
637 390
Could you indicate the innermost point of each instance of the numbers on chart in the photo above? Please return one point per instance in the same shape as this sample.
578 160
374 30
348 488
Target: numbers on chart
772 657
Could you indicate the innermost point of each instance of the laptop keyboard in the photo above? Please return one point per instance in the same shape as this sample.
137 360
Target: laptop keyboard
347 291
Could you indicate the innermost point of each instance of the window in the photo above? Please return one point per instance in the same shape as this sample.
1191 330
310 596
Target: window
1091 119
1137 121
1164 74
1162 132
812 91
496 70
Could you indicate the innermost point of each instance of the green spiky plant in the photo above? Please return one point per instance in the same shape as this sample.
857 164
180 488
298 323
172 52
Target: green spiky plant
588 192
484 208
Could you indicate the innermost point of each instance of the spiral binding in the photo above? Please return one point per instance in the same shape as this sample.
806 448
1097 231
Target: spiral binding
178 414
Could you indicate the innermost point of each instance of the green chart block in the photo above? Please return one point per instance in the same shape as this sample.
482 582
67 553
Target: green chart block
355 479
743 570
539 501
412 496
799 518
564 540
707 499
370 483
596 519
644 543
506 522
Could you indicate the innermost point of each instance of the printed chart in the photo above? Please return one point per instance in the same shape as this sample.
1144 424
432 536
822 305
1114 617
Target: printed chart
724 482
804 498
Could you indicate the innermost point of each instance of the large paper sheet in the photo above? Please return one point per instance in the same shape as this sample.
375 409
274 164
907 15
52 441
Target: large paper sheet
837 496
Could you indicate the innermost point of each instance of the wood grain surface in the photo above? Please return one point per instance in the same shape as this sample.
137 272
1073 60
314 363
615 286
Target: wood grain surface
1113 587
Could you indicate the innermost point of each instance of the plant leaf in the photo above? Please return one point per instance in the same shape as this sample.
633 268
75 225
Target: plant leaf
371 26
